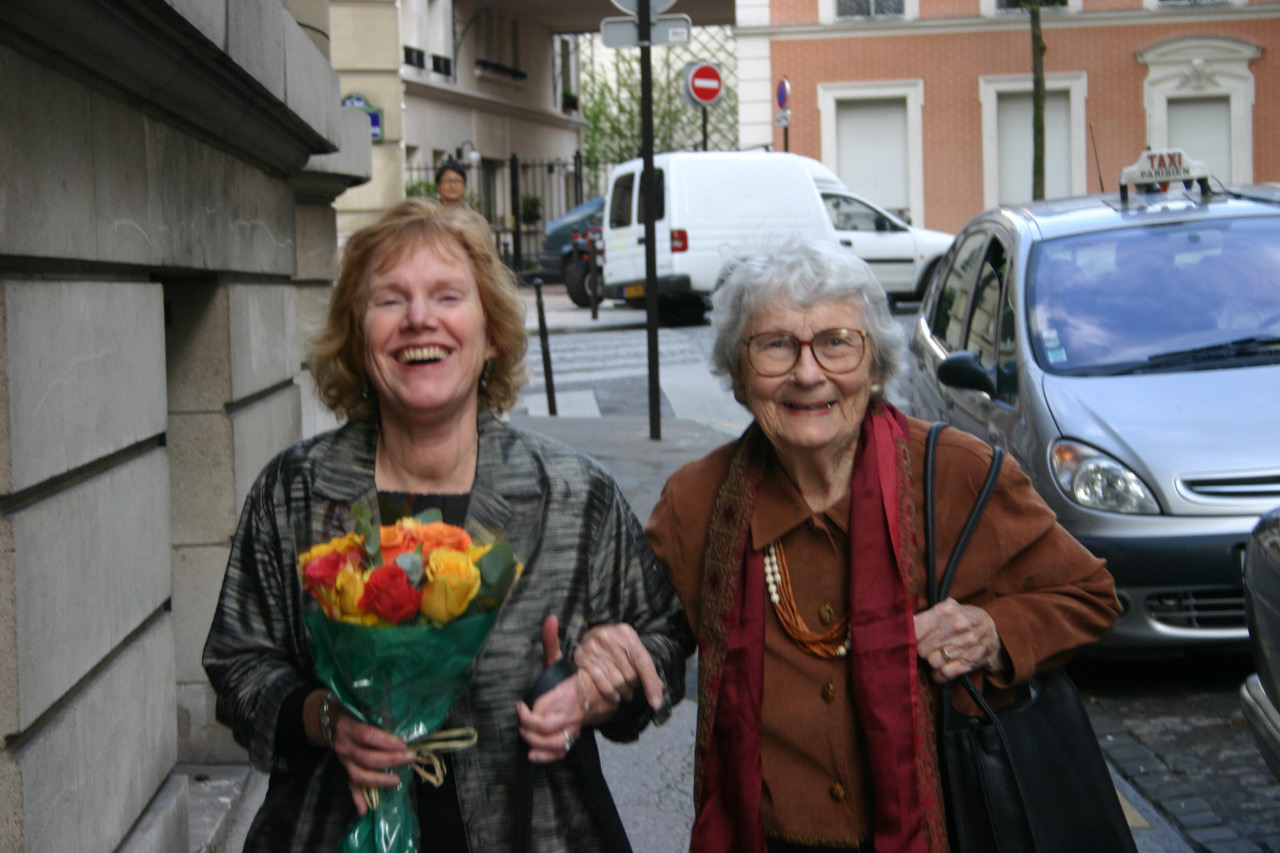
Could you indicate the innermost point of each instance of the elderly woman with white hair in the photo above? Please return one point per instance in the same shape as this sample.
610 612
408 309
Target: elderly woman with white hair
799 553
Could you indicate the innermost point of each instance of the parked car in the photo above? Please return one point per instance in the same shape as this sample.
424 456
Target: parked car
557 257
1125 349
709 202
1260 694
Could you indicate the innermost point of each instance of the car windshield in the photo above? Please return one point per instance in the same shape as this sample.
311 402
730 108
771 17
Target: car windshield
1158 298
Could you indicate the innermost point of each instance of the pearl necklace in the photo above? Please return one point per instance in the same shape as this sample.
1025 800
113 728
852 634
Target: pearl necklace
777 581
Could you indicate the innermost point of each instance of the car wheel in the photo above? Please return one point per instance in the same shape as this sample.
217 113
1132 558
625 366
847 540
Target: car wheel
575 282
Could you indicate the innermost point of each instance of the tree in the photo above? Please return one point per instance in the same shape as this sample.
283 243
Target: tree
610 100
1037 102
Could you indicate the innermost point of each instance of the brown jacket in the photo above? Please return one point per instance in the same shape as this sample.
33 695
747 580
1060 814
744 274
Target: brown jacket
1047 594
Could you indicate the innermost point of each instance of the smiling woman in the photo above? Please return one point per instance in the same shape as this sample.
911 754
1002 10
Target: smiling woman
423 348
799 553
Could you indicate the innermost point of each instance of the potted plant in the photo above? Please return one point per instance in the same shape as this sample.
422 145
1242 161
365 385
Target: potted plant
530 209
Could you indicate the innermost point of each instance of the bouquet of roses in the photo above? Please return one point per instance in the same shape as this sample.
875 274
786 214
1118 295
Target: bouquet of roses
403 612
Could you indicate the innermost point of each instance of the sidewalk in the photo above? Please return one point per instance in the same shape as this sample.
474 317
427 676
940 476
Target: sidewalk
652 779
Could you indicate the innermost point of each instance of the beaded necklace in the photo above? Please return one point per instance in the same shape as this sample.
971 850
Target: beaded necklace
777 579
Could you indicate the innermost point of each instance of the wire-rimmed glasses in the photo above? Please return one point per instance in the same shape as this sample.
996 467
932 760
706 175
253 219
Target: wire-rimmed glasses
773 354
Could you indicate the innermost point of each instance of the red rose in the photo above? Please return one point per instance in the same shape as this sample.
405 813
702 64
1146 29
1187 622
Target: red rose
388 593
322 571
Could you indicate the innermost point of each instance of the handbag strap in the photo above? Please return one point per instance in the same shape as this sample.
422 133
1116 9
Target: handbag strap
938 589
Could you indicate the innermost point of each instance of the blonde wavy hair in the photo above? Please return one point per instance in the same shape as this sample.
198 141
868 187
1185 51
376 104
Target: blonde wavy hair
338 354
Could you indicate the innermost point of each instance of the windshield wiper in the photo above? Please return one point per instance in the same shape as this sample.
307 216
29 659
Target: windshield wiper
1252 345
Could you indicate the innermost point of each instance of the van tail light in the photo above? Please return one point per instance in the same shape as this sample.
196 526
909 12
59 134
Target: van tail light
679 240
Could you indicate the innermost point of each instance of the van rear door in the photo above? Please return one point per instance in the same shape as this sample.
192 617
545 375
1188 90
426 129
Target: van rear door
624 230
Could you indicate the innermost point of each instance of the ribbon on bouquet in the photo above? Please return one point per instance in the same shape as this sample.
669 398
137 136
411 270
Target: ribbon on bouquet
428 764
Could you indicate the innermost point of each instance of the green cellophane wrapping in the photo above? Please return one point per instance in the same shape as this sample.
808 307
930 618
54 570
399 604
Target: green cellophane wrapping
403 680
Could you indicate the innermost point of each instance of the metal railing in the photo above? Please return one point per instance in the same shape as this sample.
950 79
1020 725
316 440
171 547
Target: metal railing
519 197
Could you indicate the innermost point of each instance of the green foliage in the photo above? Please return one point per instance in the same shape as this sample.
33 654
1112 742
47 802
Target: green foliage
610 100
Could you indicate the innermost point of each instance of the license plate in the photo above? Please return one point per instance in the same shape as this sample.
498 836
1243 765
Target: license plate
633 291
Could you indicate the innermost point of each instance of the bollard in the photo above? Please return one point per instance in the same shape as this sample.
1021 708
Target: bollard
546 349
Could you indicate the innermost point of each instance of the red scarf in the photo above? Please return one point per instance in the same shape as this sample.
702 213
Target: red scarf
892 697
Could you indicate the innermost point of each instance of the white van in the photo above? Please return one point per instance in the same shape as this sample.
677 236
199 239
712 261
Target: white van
709 203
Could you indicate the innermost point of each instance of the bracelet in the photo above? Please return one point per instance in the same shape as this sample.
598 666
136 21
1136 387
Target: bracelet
326 722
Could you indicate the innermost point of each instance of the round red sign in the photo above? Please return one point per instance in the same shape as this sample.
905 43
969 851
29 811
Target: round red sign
705 85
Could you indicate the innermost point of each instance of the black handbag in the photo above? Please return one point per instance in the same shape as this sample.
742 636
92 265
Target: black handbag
1029 778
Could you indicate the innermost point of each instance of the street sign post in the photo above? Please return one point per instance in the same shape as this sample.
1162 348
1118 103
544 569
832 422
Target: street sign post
632 7
703 85
664 30
783 117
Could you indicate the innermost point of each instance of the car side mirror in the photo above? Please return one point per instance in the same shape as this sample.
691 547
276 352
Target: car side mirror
963 370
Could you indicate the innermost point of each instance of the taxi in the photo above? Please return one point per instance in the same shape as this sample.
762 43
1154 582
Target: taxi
1125 349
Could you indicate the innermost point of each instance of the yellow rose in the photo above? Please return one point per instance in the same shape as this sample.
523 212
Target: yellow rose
349 587
451 582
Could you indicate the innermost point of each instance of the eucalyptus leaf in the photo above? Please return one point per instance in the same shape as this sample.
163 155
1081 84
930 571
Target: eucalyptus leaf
411 562
497 571
429 515
372 535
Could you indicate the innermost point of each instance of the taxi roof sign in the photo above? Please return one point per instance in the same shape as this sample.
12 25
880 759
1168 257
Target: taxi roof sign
1161 167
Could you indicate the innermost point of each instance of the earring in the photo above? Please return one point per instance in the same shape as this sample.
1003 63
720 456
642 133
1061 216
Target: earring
484 374
877 388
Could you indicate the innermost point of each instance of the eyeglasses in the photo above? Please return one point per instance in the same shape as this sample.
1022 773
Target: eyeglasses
447 181
774 354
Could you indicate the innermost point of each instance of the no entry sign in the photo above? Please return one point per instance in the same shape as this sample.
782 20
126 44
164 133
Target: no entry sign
703 84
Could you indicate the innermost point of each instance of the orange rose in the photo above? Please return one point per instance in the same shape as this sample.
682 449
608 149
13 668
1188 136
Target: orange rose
437 534
451 582
395 540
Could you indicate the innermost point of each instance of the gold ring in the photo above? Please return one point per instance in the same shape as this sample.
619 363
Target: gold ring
946 655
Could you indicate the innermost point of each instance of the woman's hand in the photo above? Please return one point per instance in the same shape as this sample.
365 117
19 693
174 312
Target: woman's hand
611 662
956 639
367 752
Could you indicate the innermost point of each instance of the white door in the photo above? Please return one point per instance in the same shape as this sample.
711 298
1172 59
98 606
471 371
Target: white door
1202 128
871 151
1014 145
623 231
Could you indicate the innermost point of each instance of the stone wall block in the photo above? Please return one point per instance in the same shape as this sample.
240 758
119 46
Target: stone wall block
197 581
86 372
201 738
214 211
46 163
385 190
310 83
124 226
197 346
100 759
317 232
8 647
255 40
89 567
204 509
262 430
165 826
264 336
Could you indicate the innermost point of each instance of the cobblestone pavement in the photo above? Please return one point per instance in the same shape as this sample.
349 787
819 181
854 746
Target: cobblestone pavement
1175 730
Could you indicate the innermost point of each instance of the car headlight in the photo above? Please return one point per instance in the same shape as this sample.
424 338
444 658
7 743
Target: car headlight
1095 480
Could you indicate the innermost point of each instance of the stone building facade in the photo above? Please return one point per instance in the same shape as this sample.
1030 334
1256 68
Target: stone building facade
167 173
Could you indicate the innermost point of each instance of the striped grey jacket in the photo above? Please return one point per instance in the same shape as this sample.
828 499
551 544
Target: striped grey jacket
586 560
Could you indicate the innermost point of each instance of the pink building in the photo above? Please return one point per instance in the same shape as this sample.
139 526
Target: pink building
925 105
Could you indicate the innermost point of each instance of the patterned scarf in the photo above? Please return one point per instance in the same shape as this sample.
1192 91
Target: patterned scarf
893 697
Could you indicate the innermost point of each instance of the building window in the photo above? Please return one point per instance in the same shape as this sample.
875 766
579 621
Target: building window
1199 95
868 8
498 44
1007 141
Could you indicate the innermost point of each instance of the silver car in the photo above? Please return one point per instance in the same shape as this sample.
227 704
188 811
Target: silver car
1126 351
